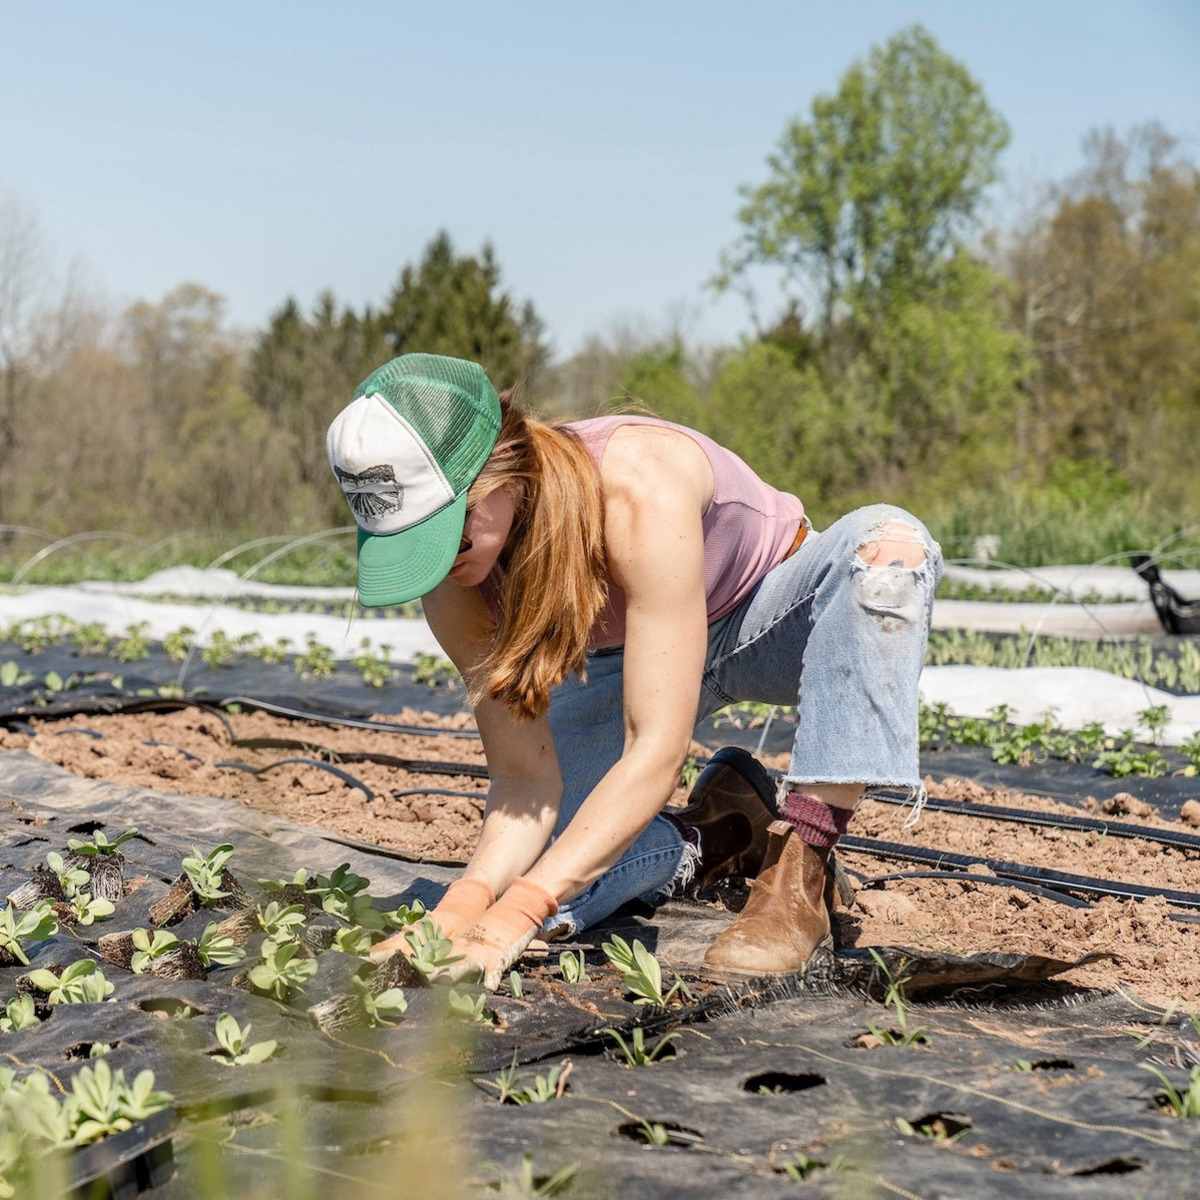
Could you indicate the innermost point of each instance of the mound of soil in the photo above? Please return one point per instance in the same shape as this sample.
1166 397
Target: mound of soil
427 802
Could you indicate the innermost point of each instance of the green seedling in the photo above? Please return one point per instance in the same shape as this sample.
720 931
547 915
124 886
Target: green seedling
573 966
642 973
430 950
218 949
54 683
148 946
404 915
342 894
101 1102
894 998
689 772
12 675
802 1167
432 670
1154 720
91 638
71 879
382 1008
317 660
511 1090
635 1052
99 844
273 652
469 1007
515 986
81 983
36 925
205 873
376 669
220 650
236 1048
19 1013
135 645
935 1130
523 1182
1183 1104
354 939
283 970
1022 1065
178 643
271 886
276 920
654 1133
88 909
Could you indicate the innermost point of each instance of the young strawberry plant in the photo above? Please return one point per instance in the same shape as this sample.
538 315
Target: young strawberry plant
236 1048
36 925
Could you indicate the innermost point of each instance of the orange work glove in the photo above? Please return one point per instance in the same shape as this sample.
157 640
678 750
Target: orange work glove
498 938
463 903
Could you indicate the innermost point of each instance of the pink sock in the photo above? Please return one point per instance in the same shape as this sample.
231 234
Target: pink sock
819 824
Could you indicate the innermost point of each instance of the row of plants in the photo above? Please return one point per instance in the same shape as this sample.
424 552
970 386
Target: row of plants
1136 751
1175 666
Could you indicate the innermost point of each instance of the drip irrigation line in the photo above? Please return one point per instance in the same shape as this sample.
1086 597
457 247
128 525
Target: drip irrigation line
163 705
1021 884
1168 837
92 733
1060 880
171 746
435 792
352 722
345 776
391 852
419 766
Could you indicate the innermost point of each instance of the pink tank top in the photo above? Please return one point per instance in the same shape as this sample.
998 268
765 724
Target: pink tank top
748 529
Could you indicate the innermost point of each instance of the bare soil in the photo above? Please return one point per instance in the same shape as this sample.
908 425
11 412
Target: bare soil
192 751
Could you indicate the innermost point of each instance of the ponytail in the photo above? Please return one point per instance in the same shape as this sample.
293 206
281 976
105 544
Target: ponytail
555 570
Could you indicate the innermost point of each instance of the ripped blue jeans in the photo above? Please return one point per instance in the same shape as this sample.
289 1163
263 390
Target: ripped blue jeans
841 639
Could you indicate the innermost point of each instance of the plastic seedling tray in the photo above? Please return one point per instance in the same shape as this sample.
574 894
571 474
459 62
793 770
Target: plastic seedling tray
125 1164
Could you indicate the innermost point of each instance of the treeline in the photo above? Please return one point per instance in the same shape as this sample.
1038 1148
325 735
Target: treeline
1039 385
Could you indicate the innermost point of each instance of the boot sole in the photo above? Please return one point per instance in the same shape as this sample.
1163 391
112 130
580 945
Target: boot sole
734 975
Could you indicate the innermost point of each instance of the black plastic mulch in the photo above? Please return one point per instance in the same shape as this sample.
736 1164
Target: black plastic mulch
1022 1089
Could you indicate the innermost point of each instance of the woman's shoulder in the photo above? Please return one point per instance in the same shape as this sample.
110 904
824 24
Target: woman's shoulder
643 458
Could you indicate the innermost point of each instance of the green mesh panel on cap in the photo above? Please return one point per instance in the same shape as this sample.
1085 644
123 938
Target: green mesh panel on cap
452 405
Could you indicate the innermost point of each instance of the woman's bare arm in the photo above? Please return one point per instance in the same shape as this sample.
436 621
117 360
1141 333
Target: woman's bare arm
526 784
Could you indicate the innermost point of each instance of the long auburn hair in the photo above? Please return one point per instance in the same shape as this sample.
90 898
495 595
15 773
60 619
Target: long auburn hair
555 568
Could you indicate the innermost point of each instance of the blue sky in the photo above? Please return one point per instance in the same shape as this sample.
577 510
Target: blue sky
270 150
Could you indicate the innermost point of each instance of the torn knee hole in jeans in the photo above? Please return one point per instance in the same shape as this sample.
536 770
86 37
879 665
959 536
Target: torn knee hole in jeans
887 569
897 545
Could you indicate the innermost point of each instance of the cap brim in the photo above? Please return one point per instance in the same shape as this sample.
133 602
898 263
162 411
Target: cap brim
408 564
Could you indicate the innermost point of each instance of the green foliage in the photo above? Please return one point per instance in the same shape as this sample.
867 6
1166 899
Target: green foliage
864 201
381 1009
71 879
283 969
689 772
433 670
101 1102
135 645
88 909
149 945
512 1088
468 1006
80 983
99 844
206 872
36 925
19 1013
573 966
452 304
178 643
317 661
218 949
906 1034
11 675
236 1048
635 1051
1184 1103
375 668
524 1183
803 1167
429 950
276 919
642 973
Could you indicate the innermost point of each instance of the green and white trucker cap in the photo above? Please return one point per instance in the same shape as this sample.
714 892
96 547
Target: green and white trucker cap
405 451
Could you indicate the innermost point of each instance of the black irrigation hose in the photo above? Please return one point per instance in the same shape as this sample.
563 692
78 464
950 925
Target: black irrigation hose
1056 879
434 792
1167 837
352 722
345 776
1032 888
419 765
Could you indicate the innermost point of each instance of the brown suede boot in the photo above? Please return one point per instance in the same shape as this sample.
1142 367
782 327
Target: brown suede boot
731 806
785 920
